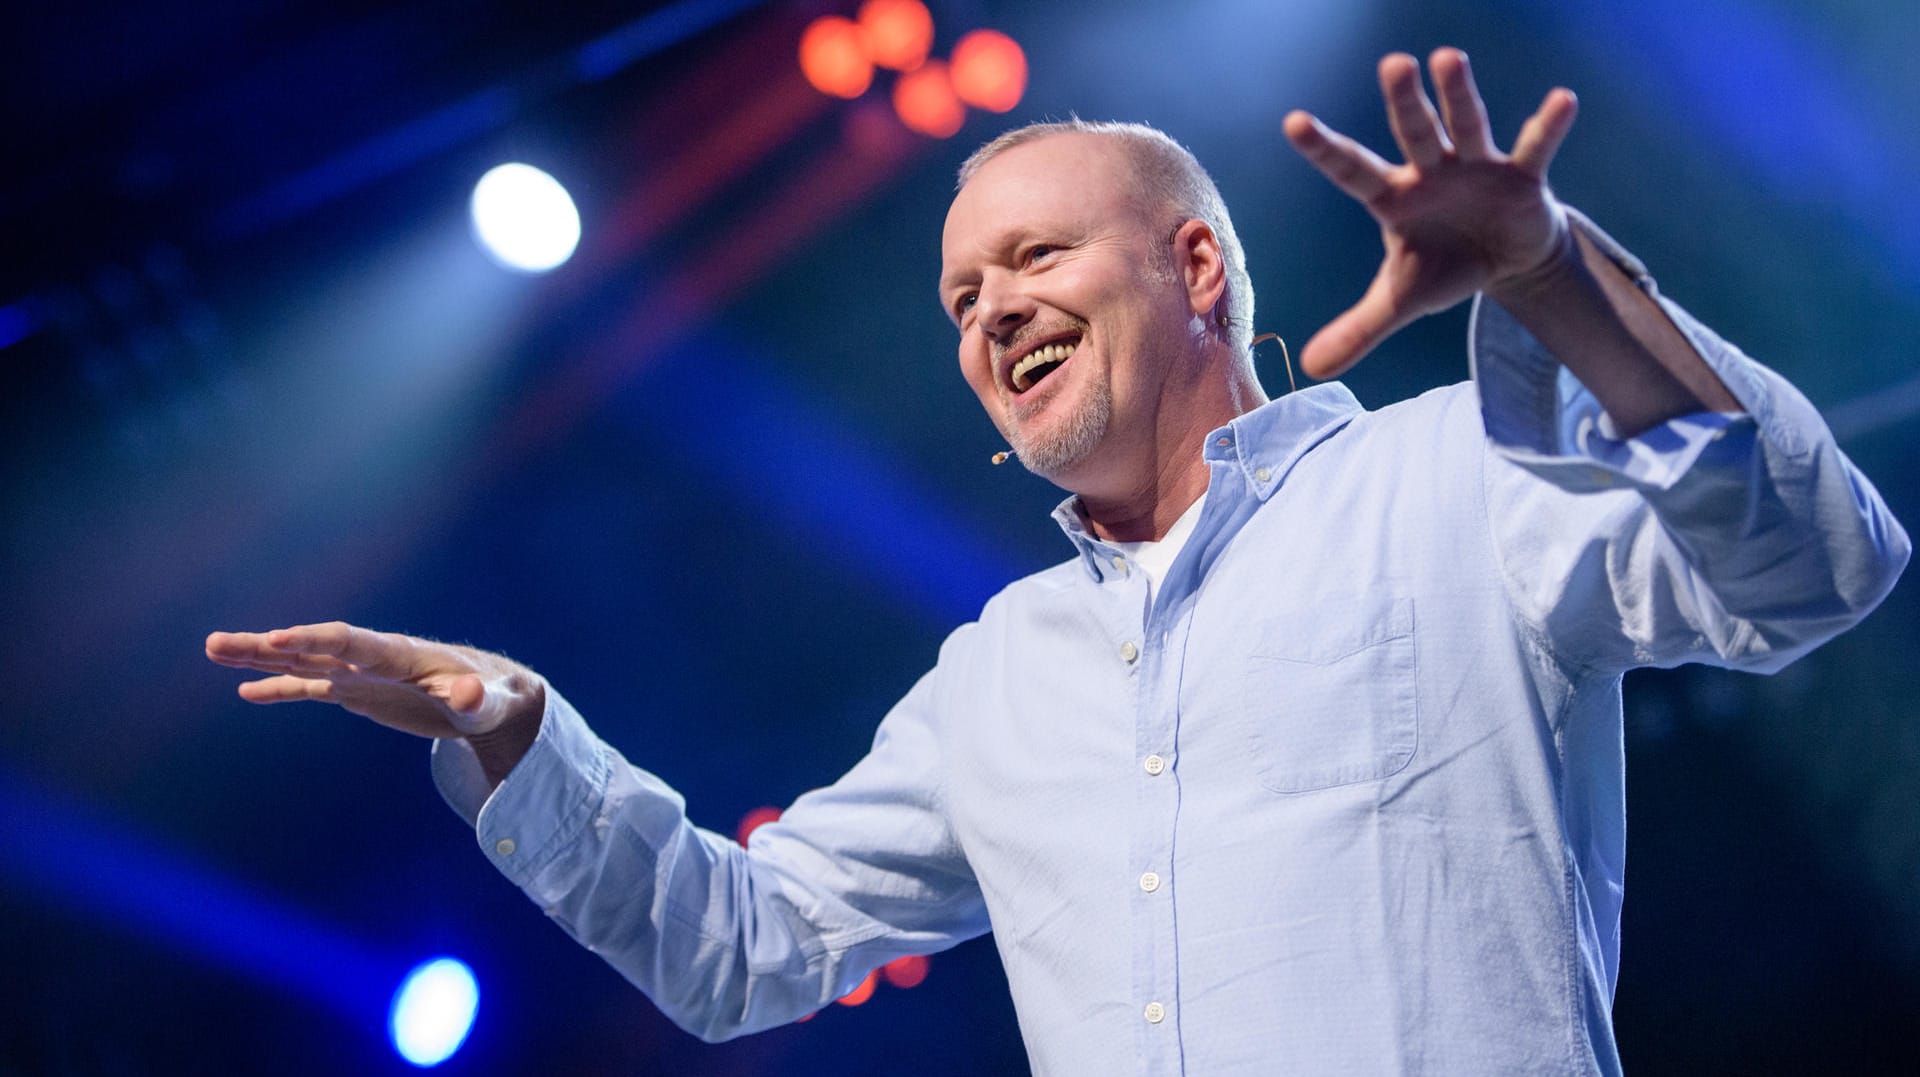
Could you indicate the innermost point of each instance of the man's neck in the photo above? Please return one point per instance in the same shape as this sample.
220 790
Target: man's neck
1151 513
1174 479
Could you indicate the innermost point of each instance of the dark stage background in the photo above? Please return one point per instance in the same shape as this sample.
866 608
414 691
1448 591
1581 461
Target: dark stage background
719 479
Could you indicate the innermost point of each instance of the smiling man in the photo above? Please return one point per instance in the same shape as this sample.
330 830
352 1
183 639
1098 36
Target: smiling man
1099 360
1309 760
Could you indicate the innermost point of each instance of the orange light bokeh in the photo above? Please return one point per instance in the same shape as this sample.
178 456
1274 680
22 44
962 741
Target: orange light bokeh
899 33
833 56
753 821
925 101
862 993
989 70
906 971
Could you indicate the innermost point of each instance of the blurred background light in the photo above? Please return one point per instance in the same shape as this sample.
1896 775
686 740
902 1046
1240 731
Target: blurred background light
899 33
863 992
925 101
524 218
989 70
433 1011
753 821
833 56
909 971
15 324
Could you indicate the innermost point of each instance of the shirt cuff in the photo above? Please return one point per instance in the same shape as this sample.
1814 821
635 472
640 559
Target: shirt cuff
544 803
1538 415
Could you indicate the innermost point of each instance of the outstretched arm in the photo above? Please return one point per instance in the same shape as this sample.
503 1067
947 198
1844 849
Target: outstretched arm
414 685
723 940
1460 216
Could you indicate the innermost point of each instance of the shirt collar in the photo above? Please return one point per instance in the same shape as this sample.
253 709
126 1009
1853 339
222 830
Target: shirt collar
1262 445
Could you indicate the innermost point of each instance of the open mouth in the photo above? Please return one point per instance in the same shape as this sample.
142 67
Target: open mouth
1034 367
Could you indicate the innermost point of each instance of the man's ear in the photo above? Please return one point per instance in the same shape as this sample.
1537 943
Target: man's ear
1201 266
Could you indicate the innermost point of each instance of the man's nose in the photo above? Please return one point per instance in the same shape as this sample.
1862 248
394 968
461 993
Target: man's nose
1001 308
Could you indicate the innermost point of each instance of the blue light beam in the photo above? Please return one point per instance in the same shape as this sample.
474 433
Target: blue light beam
79 863
16 324
1810 128
828 486
486 110
614 52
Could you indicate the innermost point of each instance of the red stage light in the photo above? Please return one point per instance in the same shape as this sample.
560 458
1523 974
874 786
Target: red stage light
989 70
862 993
906 971
833 56
899 32
754 820
925 102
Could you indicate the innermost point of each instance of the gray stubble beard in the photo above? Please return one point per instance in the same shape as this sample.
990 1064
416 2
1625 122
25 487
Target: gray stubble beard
1054 454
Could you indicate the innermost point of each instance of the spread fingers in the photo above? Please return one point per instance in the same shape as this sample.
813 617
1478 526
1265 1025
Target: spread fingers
1352 167
1416 126
1460 104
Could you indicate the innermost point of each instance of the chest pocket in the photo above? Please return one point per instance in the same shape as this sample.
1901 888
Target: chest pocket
1330 699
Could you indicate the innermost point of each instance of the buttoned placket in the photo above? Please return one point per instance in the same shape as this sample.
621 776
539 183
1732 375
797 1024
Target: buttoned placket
1152 651
1163 636
1148 647
1142 657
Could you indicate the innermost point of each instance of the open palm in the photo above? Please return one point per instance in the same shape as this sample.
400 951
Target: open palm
1459 216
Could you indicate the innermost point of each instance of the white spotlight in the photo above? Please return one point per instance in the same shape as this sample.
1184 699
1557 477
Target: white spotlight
524 218
433 1011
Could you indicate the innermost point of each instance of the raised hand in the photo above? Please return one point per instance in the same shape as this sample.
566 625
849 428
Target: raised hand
1458 217
415 685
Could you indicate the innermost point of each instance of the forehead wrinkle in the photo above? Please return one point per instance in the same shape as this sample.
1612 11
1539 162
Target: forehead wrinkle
1018 200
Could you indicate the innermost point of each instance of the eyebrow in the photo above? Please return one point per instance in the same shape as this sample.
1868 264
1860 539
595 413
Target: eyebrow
951 280
1002 242
949 284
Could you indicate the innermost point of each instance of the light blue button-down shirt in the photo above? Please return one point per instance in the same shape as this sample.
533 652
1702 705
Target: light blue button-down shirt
1346 797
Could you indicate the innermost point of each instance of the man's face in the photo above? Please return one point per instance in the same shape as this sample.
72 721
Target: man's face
1068 311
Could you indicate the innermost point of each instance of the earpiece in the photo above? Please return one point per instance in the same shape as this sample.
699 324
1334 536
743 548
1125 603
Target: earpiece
1264 337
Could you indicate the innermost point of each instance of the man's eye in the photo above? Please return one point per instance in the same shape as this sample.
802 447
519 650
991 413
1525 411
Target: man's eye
1037 252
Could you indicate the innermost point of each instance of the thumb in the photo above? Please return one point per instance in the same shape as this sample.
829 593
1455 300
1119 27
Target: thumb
467 694
1348 338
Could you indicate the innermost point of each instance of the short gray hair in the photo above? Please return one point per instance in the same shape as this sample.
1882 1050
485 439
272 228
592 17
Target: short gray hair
1165 175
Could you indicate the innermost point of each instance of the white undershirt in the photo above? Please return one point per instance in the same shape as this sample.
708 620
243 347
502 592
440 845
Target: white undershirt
1155 557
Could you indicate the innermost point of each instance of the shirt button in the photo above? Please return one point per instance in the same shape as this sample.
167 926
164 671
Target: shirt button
1223 442
1128 652
1156 1013
1154 765
1119 563
504 846
1150 882
1263 474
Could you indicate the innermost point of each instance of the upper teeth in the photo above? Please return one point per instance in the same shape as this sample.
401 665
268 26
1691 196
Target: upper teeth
1039 357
